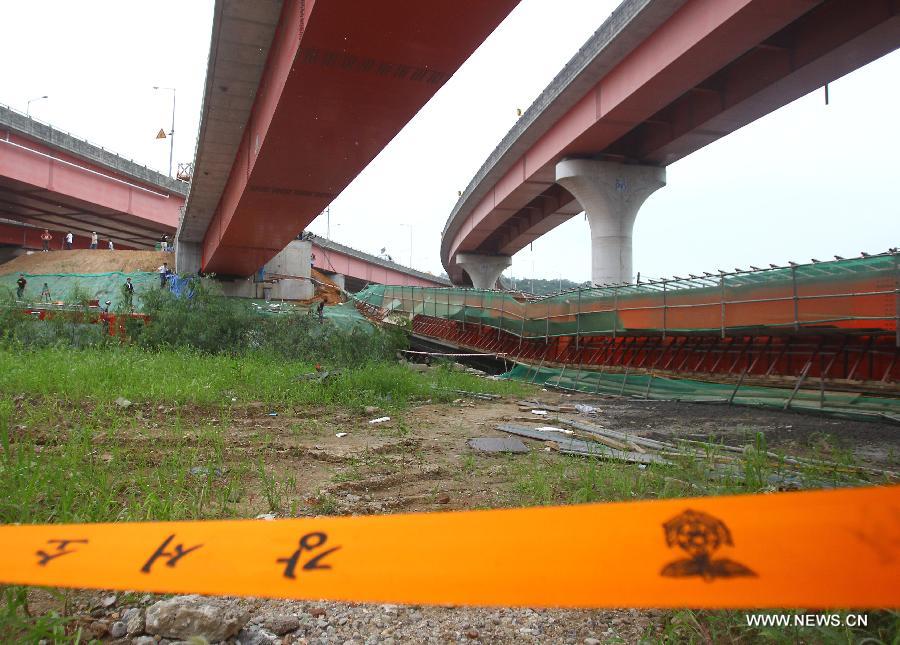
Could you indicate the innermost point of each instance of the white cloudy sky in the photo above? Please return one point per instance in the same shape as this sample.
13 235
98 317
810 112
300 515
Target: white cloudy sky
806 181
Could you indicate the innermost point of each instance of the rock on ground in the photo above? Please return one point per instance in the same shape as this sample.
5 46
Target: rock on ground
185 616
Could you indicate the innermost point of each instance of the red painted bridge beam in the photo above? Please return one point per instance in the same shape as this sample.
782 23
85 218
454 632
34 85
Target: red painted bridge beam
336 262
37 166
847 357
343 77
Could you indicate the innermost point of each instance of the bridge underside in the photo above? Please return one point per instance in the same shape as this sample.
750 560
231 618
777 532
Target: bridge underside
43 187
17 238
666 100
341 79
59 212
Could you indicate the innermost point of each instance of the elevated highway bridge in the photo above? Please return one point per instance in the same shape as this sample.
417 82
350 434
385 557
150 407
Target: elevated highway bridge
657 81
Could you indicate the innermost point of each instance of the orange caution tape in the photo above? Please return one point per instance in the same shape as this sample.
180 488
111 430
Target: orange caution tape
838 548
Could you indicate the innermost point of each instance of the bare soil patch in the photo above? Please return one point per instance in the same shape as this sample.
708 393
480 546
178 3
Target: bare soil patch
87 261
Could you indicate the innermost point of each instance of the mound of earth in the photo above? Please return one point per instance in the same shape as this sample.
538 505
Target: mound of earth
87 261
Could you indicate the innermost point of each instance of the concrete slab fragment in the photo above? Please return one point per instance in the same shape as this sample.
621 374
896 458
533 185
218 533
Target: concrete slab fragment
497 444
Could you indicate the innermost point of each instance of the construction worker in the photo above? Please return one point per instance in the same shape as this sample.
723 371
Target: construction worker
20 286
320 310
163 274
94 239
128 292
68 241
45 240
110 246
45 293
104 317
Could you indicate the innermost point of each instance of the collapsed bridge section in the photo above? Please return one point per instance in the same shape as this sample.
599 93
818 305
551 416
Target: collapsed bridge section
826 323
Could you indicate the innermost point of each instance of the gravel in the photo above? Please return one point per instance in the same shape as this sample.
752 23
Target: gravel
253 621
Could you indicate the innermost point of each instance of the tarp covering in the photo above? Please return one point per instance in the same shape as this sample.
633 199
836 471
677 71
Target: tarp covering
345 315
96 286
647 386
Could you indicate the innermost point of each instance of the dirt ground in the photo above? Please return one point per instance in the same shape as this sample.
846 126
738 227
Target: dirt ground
419 461
87 261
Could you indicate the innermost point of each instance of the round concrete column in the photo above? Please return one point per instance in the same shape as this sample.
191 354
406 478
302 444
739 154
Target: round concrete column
611 194
484 270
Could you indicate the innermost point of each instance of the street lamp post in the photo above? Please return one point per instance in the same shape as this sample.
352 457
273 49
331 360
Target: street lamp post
172 131
30 101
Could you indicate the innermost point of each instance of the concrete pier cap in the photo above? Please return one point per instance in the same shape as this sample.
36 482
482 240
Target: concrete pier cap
611 194
484 270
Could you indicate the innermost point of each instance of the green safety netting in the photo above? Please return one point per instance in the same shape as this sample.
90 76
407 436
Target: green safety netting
348 317
108 286
345 316
99 286
858 294
647 386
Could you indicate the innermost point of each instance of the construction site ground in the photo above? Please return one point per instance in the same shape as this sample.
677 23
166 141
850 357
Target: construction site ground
87 261
293 464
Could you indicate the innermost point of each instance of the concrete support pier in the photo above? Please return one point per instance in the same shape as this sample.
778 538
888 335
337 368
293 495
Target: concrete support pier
484 270
611 194
292 269
187 257
340 280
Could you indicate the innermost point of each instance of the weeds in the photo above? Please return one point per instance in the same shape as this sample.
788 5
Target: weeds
690 626
207 323
324 504
17 621
274 489
178 378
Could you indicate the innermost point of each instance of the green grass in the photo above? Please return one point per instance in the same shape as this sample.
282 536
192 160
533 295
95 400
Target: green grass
185 377
708 627
69 455
86 469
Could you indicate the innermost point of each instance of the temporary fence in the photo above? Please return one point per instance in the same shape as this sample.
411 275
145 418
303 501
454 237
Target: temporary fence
835 320
857 295
96 286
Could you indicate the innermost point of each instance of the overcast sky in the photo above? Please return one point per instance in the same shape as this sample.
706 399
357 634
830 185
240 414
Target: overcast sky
806 181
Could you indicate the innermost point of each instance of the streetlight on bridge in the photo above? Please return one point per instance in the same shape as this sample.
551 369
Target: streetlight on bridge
30 101
172 131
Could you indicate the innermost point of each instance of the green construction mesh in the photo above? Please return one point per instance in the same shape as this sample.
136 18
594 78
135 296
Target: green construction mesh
346 315
858 294
108 286
645 386
99 286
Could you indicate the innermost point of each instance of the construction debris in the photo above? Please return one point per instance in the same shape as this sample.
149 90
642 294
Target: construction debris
552 429
379 420
716 460
569 446
583 408
318 376
495 444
